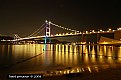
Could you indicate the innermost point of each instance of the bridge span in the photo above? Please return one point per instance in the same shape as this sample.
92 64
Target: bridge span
47 27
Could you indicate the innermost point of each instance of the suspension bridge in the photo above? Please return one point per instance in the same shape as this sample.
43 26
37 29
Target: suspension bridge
46 27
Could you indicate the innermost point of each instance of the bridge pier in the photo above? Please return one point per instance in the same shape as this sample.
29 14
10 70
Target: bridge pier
47 30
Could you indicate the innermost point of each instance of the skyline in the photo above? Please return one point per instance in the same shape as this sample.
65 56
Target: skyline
23 17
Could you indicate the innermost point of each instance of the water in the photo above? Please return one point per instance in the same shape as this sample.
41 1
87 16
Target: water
35 58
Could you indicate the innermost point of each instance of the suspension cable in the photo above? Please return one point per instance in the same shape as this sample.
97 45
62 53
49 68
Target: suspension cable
68 29
39 31
36 30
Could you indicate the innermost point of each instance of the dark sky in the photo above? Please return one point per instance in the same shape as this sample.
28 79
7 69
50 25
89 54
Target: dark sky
24 16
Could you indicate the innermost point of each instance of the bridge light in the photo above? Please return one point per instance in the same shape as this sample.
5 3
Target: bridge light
113 30
60 34
63 34
62 27
101 30
86 32
69 29
83 33
98 32
118 28
56 34
77 31
49 22
93 31
109 29
46 21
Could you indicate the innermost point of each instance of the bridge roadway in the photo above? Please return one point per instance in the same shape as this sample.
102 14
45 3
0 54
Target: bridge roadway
63 35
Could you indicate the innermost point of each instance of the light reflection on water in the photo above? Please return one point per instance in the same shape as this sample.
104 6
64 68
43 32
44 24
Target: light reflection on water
59 56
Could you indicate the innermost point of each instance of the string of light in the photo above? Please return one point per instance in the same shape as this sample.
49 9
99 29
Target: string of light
65 28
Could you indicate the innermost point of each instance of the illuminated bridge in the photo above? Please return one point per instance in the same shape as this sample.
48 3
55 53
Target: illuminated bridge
46 29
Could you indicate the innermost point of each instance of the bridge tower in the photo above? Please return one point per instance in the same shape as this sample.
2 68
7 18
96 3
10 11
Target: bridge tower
47 30
16 37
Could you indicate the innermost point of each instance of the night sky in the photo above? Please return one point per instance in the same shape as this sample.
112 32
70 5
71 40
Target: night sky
23 17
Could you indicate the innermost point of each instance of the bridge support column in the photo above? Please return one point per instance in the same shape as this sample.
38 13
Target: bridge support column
47 30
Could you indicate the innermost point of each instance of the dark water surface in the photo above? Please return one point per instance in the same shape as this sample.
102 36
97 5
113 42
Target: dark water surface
59 59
